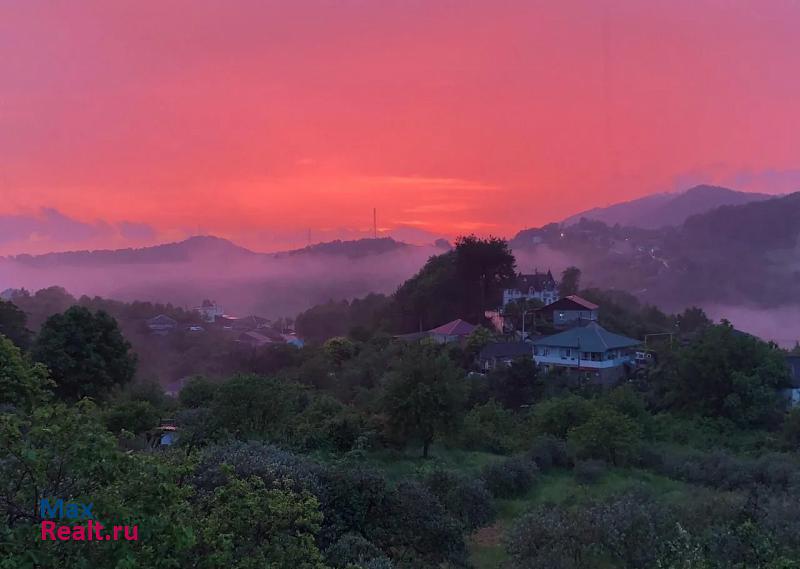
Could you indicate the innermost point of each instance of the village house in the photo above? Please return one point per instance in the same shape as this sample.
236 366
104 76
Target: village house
570 310
455 331
243 324
792 393
162 324
538 286
503 353
209 311
587 349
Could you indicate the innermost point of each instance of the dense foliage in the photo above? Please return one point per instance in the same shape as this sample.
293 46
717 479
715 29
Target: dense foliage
363 451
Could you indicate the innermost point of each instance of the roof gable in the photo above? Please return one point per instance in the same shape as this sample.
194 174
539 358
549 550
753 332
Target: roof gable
571 302
457 327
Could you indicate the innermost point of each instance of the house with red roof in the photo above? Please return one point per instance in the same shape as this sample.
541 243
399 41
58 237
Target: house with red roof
570 310
454 331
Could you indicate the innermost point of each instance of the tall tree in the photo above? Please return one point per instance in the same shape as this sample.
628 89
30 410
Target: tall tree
424 396
485 265
570 281
85 353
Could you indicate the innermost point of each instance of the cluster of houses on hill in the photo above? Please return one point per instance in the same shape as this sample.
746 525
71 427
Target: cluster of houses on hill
576 342
253 331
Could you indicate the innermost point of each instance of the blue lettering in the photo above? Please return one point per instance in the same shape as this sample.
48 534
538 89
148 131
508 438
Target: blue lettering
48 511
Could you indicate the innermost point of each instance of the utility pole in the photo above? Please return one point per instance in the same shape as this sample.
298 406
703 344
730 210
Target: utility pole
374 223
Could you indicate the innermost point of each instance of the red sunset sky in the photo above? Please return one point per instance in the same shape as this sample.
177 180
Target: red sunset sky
256 120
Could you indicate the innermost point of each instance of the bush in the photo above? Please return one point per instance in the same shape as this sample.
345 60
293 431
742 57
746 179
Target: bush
549 452
590 471
352 549
488 427
510 478
558 415
418 525
198 392
464 498
608 435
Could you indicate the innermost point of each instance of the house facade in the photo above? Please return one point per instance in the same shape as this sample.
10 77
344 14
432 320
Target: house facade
209 311
570 310
792 393
587 349
538 286
503 353
162 325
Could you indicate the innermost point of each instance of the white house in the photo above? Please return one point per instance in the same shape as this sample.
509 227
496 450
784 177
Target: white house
589 348
538 286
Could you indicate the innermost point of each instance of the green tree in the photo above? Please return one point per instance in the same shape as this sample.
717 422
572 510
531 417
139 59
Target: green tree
424 396
608 435
570 281
476 341
339 349
725 373
21 383
136 417
515 385
86 353
197 392
13 322
245 525
253 406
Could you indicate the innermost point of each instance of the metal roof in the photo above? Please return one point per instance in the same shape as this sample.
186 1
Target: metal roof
589 338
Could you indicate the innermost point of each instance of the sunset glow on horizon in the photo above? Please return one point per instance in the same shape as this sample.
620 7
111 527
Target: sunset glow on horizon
259 121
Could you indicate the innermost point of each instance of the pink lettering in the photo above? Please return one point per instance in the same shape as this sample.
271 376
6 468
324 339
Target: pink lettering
48 527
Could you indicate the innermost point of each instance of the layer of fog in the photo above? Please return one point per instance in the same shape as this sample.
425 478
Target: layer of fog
781 325
255 284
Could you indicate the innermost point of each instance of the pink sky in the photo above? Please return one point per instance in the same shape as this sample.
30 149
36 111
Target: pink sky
257 120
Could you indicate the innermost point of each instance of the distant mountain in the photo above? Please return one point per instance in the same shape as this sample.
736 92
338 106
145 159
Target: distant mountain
204 247
241 280
350 249
663 210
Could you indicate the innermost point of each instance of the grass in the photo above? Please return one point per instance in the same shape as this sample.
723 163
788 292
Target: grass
560 487
397 465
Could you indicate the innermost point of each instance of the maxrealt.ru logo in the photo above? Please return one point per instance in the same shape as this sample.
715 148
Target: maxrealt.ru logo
74 512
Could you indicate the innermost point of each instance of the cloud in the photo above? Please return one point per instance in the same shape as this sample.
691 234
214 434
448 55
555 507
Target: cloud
50 230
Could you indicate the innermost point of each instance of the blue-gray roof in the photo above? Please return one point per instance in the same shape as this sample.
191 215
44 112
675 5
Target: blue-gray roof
589 338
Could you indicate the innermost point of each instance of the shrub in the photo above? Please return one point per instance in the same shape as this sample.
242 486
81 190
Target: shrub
558 415
590 471
548 452
608 435
464 498
510 478
352 549
488 427
416 524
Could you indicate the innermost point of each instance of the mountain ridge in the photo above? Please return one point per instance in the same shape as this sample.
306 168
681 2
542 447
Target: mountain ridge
667 209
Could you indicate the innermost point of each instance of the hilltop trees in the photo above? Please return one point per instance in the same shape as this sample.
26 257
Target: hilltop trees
13 324
724 373
570 282
85 353
461 283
